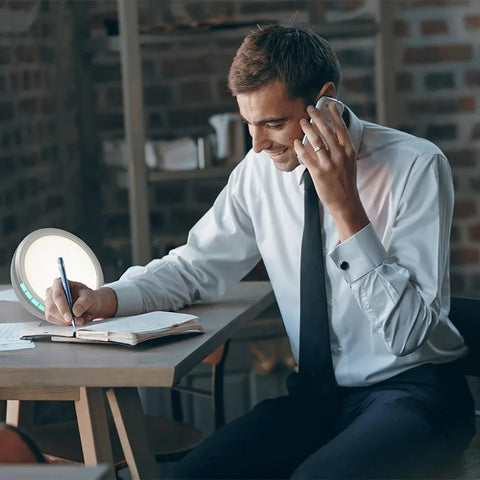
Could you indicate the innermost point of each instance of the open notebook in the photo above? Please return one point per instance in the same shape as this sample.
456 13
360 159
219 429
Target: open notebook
124 330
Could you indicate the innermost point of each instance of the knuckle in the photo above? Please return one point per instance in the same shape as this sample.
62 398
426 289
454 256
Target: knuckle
57 295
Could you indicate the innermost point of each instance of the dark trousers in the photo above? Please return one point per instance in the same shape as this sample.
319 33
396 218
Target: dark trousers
402 427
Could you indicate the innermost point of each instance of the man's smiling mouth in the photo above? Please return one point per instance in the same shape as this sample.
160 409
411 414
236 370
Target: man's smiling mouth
277 153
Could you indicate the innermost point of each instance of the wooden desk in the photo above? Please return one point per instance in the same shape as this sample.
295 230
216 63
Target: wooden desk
81 372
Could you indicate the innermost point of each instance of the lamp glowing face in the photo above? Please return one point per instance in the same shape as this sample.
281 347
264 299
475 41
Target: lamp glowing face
34 266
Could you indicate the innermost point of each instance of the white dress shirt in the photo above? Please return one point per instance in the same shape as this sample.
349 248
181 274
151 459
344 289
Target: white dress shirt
388 285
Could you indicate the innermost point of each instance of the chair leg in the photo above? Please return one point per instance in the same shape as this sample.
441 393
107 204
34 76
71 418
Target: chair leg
218 390
177 410
20 413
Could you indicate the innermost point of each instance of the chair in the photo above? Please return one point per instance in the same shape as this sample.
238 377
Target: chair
170 440
17 447
217 362
465 315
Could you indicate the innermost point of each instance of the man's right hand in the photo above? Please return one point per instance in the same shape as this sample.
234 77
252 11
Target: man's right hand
88 304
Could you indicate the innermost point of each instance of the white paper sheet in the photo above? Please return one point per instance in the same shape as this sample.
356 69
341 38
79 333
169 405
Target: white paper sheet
10 333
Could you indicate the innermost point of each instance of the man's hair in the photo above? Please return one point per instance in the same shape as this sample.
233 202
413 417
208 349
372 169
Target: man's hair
300 58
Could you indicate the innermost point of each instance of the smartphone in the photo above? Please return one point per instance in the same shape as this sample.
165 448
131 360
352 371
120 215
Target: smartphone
323 102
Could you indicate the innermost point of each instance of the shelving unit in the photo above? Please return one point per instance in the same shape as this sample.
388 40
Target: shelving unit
360 28
159 176
128 44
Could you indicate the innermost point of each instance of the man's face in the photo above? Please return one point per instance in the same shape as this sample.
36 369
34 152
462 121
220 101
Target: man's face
273 122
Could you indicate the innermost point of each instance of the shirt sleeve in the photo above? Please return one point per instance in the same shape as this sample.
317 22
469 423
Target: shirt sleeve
221 249
399 283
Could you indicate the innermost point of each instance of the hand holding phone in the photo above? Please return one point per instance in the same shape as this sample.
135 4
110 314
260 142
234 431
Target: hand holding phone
321 105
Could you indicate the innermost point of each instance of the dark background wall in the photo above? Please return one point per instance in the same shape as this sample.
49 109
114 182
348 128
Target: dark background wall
51 169
39 160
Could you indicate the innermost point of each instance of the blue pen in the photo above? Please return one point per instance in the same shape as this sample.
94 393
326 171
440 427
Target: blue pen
66 288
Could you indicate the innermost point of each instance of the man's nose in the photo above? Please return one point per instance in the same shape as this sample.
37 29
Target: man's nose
260 140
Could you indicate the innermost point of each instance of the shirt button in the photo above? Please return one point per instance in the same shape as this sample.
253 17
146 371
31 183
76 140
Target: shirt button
338 349
331 301
344 265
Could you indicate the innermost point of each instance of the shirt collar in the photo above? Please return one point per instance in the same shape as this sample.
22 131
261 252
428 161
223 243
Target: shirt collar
355 130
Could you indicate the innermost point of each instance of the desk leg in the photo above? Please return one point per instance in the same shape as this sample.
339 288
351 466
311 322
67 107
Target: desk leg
20 413
93 428
129 420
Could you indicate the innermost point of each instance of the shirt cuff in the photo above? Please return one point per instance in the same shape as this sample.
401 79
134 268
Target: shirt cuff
358 255
129 298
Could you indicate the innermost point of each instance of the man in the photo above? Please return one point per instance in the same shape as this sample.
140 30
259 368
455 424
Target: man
400 404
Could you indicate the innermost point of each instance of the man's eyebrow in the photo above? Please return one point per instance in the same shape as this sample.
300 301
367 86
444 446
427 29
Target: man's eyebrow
266 120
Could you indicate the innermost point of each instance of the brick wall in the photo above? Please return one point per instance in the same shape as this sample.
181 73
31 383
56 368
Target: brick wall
436 56
39 164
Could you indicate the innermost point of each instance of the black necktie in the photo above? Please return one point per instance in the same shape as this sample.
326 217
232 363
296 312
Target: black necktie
315 364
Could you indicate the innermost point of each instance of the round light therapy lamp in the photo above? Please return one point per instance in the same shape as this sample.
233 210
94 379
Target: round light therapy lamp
34 266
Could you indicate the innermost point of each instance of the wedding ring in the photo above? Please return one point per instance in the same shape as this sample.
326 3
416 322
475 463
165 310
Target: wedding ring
320 147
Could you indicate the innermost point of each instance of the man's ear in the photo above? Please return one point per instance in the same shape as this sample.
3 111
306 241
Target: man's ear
328 90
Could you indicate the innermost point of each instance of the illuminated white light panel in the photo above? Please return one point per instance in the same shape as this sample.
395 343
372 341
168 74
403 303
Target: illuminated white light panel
34 265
